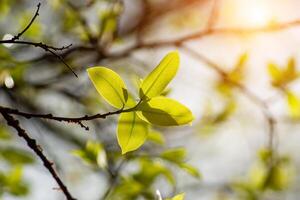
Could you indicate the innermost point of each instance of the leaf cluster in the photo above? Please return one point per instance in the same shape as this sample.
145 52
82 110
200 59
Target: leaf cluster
150 109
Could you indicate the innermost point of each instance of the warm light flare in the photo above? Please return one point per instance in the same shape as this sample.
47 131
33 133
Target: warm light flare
255 14
248 13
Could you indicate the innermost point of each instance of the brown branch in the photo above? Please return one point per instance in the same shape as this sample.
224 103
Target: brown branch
214 13
16 37
47 48
178 41
76 120
32 144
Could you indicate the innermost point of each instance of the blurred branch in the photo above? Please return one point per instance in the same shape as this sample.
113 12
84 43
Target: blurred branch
214 13
52 50
84 24
31 143
244 90
178 41
114 177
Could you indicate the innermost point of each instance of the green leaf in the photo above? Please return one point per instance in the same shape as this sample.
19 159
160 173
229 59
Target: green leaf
237 74
4 134
191 170
16 156
132 132
164 111
174 155
279 177
241 61
154 84
291 66
178 197
294 105
152 169
156 137
16 186
281 77
109 85
274 71
93 154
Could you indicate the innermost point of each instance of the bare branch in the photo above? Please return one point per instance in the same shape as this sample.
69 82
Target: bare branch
16 37
47 48
76 120
32 144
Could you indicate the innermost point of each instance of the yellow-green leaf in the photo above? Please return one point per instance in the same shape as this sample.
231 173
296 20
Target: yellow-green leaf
294 105
176 155
178 197
159 78
164 111
280 177
156 137
109 85
274 71
191 170
237 74
132 132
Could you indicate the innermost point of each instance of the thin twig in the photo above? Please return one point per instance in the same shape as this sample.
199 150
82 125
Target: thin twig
47 48
76 120
16 37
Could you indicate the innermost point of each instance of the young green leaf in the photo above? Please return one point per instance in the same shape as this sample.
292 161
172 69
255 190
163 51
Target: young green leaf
109 85
132 132
164 111
159 78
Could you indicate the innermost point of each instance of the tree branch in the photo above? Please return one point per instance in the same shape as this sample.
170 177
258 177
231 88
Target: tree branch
16 37
47 48
76 120
178 41
32 144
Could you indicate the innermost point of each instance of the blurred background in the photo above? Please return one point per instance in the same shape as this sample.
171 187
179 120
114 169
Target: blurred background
238 75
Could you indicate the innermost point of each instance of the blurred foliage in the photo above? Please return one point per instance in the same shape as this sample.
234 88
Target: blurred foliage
140 183
270 173
282 76
233 77
11 167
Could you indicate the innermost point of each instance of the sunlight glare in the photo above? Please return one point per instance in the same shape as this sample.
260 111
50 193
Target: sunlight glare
248 13
256 14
